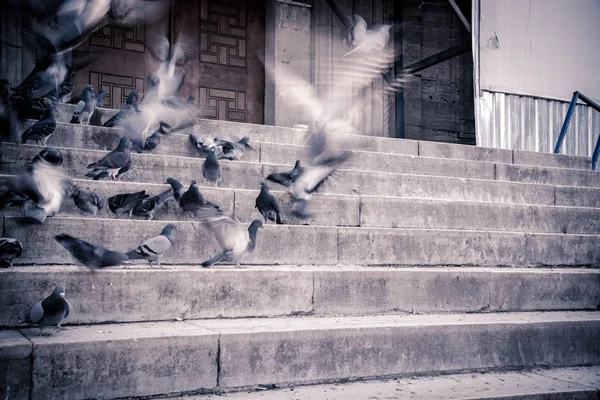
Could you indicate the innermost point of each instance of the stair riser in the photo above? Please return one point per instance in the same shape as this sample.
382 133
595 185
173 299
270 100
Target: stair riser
297 245
138 295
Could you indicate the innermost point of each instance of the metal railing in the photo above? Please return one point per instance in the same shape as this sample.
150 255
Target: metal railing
578 96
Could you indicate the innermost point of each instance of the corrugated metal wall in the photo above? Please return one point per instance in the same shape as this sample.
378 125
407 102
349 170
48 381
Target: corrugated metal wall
515 122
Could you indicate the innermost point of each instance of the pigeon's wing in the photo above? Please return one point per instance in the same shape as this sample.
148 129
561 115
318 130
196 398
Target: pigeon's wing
312 179
79 108
67 308
159 47
112 160
157 245
359 29
227 230
36 313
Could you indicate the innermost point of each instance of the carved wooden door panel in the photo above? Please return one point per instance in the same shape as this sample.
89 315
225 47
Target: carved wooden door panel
119 61
227 77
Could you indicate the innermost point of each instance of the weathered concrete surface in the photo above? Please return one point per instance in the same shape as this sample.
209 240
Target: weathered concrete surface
110 361
283 244
440 214
305 350
101 115
125 295
142 294
555 176
578 196
578 383
461 152
552 160
537 289
451 247
15 365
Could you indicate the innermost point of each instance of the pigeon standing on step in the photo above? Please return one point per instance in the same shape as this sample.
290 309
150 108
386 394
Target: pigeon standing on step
234 150
41 190
153 249
192 200
235 240
89 255
41 131
86 107
267 204
51 311
9 249
152 141
123 203
286 178
147 207
130 107
100 95
66 87
211 170
114 164
177 188
42 104
87 201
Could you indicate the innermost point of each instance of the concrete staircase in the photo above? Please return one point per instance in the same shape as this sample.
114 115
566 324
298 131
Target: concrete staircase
421 258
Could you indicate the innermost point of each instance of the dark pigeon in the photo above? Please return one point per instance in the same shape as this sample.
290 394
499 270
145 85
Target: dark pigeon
41 131
177 187
192 200
86 201
286 178
131 106
153 249
100 95
211 170
267 204
51 311
9 250
89 255
234 150
147 207
235 240
114 164
66 87
124 203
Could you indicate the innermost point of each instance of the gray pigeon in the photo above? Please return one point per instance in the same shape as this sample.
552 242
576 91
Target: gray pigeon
192 200
131 106
87 201
267 204
42 129
51 311
177 187
9 250
153 249
124 202
286 178
89 255
211 170
234 150
86 107
235 240
114 164
100 95
67 86
147 207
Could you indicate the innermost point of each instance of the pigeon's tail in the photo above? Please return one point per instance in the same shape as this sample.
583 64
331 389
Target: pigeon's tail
97 174
211 204
74 120
278 220
135 254
218 258
282 178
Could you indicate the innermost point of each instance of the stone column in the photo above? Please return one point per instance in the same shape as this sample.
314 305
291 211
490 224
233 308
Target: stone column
287 50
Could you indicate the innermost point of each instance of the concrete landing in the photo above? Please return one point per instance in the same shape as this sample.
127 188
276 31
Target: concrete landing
539 384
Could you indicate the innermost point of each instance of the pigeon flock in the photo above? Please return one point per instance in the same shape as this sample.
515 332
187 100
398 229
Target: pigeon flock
146 120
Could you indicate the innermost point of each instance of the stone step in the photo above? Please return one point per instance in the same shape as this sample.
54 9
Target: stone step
99 138
244 175
366 211
275 134
314 245
582 383
143 359
139 294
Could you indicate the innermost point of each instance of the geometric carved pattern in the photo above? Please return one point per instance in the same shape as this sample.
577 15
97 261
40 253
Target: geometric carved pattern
127 35
117 87
222 104
223 32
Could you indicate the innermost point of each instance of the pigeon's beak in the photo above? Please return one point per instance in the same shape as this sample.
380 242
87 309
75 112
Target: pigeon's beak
62 294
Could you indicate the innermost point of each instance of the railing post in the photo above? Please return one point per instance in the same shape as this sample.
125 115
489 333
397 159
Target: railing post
596 154
563 130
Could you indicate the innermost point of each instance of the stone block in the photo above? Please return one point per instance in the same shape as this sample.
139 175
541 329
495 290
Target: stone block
15 365
461 152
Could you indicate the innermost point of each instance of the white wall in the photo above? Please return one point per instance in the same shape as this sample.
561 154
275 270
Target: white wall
545 48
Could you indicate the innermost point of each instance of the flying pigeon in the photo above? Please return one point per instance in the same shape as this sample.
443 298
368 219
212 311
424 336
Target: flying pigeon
131 106
89 255
267 204
177 187
147 207
41 131
40 191
86 201
9 250
235 240
51 311
86 106
124 203
367 41
211 170
153 249
192 200
114 164
286 178
234 150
